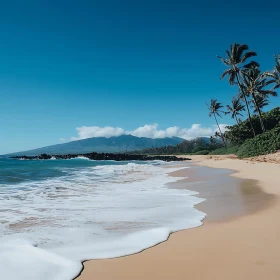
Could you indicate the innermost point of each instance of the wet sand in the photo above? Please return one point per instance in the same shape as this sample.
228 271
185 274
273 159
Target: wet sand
239 238
227 197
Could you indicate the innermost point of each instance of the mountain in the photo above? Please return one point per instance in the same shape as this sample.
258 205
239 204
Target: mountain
123 143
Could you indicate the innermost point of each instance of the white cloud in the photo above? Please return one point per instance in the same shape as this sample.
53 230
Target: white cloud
148 130
96 131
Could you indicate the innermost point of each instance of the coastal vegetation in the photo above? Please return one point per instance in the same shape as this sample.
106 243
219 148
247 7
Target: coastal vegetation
198 146
255 131
238 137
259 133
262 144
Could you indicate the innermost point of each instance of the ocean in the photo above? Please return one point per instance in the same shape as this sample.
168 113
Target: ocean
54 214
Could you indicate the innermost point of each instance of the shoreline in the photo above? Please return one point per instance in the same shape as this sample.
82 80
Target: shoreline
160 261
183 163
242 196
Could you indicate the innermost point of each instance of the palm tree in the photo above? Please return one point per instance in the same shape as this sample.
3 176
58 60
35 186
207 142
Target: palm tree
261 103
275 73
254 84
235 61
215 110
235 109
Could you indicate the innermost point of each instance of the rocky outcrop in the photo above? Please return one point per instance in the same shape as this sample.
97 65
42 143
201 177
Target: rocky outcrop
104 156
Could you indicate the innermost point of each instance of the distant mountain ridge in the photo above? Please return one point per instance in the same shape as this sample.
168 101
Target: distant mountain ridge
116 144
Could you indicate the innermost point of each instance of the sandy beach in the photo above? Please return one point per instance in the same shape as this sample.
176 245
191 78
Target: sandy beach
242 243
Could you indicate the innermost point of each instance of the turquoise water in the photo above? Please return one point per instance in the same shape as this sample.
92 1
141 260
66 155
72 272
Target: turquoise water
14 171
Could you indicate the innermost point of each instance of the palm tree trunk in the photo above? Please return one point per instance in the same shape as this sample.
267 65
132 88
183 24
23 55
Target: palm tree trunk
259 112
249 115
247 106
220 130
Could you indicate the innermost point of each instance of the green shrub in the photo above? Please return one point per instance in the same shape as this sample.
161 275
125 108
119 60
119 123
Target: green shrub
237 134
225 150
202 152
266 143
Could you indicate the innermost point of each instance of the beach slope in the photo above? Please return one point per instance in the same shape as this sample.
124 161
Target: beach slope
246 247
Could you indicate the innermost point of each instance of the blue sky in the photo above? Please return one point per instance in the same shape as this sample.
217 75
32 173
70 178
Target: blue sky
70 64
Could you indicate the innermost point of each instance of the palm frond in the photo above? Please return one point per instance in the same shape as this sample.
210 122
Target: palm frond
247 55
277 62
229 56
225 61
236 107
240 48
267 93
252 64
259 102
227 72
231 78
269 74
214 107
233 49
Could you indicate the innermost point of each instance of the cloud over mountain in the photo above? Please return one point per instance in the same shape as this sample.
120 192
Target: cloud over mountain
148 130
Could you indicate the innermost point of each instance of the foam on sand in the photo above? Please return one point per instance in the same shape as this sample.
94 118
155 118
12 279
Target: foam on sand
21 260
95 212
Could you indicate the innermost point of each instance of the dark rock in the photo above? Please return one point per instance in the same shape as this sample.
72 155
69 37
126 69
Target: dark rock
104 156
44 156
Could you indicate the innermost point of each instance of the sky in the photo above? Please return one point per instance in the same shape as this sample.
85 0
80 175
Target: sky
76 69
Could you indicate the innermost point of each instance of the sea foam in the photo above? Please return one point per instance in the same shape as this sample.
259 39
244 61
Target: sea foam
50 226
